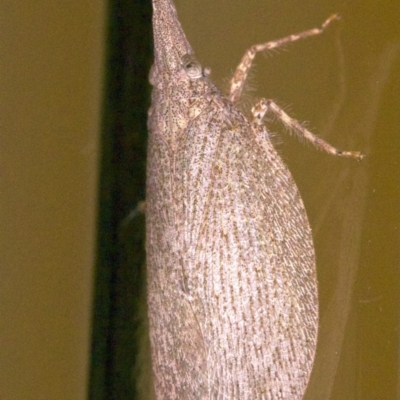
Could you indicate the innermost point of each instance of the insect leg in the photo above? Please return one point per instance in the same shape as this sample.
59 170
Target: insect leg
240 76
264 106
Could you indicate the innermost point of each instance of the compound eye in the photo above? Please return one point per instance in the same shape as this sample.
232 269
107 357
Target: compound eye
191 66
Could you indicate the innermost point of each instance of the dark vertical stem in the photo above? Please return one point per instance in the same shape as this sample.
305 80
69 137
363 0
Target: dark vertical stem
120 255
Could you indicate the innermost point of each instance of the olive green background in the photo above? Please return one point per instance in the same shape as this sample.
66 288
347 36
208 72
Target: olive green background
52 62
346 84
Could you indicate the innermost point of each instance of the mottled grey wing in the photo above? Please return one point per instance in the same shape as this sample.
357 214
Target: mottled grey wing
248 260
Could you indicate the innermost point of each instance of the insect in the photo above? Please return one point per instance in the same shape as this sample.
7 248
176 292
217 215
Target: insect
232 288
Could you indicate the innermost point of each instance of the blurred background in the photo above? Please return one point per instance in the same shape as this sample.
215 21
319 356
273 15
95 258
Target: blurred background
73 101
52 68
